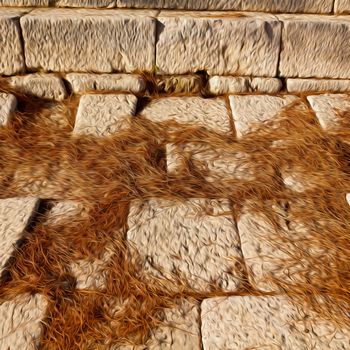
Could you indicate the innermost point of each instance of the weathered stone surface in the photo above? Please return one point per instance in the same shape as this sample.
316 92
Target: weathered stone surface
181 238
15 214
248 110
317 85
85 3
220 43
47 86
180 331
82 82
310 6
331 109
89 40
251 322
101 115
11 51
24 2
20 322
342 6
179 84
8 105
209 113
219 85
313 46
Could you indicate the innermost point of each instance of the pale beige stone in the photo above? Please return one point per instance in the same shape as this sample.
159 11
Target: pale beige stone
248 111
101 115
15 214
85 3
309 6
11 51
317 85
219 85
219 43
342 6
24 2
269 323
180 330
179 84
313 46
183 239
20 322
82 40
208 113
332 110
8 104
47 86
82 82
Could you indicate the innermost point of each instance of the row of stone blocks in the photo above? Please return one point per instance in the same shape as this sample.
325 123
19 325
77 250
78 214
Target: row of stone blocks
162 231
282 6
170 42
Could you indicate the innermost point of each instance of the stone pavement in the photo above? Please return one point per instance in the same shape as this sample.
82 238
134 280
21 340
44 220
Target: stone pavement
175 237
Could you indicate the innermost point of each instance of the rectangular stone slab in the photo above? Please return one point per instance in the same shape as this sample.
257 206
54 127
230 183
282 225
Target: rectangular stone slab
313 46
317 85
8 104
183 238
219 43
80 40
11 51
270 323
20 322
342 6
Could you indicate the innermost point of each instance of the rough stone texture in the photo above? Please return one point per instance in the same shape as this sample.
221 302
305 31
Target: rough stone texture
20 322
220 43
250 110
8 104
11 51
82 82
181 239
47 86
317 85
209 113
342 6
180 331
251 322
332 110
219 85
309 6
15 214
313 46
99 41
24 2
179 84
85 3
101 115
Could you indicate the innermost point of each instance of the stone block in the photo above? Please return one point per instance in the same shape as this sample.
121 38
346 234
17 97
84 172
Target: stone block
85 3
100 41
8 104
341 6
24 3
317 85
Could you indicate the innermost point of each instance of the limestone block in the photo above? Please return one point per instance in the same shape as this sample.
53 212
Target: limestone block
101 115
15 214
208 113
184 239
271 322
81 40
313 46
317 85
331 109
342 6
20 322
307 6
219 43
248 111
180 329
11 51
47 86
8 104
82 82
85 3
219 85
36 3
